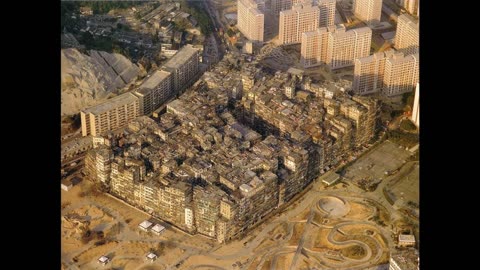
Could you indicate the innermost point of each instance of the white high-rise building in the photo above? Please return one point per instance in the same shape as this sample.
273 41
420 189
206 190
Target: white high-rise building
390 72
401 74
300 19
327 12
335 46
368 72
407 36
251 19
368 11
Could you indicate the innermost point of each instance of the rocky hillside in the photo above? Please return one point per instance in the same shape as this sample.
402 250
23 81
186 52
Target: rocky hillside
90 79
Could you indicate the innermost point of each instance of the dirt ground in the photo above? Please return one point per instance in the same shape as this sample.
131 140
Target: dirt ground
359 211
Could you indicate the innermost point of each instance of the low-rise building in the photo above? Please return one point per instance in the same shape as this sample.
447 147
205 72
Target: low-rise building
103 260
151 256
331 179
66 184
406 240
391 73
158 229
145 225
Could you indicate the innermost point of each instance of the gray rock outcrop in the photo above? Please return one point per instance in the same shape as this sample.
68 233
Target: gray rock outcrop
90 79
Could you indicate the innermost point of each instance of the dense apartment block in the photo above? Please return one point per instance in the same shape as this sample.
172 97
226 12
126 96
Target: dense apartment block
184 67
401 74
335 46
407 36
126 173
176 75
112 114
350 122
368 11
251 19
294 22
217 170
98 164
389 72
206 206
154 91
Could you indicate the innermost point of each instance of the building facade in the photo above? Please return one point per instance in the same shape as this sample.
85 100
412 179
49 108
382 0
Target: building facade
251 19
314 47
407 36
98 164
112 114
327 12
185 67
335 46
300 19
368 11
280 5
401 74
390 72
154 91
368 73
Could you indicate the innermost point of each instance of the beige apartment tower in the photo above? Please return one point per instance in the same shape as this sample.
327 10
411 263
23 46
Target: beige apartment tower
314 47
390 72
184 66
280 5
401 74
154 91
407 36
327 12
112 114
251 19
300 19
335 46
368 73
368 11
